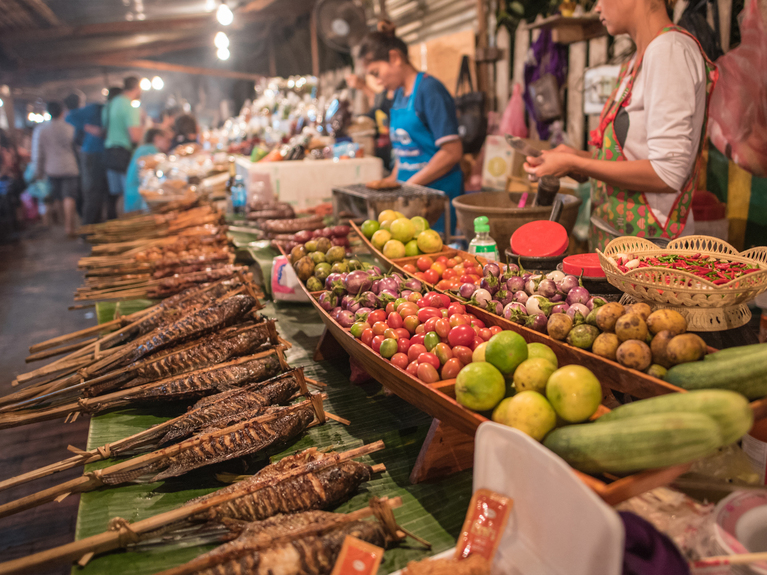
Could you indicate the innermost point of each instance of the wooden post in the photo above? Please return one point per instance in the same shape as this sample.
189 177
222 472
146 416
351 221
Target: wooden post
575 70
314 45
482 67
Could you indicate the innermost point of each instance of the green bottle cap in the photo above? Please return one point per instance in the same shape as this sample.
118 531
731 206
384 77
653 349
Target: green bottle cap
481 225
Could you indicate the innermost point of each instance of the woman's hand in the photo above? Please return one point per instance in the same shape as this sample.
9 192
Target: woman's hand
554 162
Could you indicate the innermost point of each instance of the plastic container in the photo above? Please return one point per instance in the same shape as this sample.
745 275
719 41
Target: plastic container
482 244
239 196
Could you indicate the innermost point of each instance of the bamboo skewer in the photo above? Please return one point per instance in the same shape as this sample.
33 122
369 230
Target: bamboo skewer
123 533
59 350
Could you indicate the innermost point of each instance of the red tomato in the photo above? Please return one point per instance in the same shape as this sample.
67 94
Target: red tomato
442 259
470 317
495 329
477 341
376 343
402 332
379 327
419 328
455 308
461 335
478 322
423 302
417 338
438 267
414 297
412 368
463 353
410 268
458 258
474 327
420 276
367 336
427 373
411 323
442 327
451 263
394 320
450 274
444 285
485 333
429 324
446 301
467 278
451 368
443 352
376 315
429 358
400 360
389 333
430 276
415 350
424 263
406 309
390 307
434 300
426 312
457 319
403 344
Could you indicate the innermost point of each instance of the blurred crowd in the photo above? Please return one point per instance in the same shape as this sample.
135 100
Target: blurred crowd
80 166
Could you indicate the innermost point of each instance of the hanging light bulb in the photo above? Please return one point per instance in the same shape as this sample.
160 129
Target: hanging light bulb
224 14
157 83
210 5
46 116
135 103
105 91
223 53
31 117
145 84
221 40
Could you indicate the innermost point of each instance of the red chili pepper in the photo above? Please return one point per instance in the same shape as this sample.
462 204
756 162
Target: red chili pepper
624 269
750 270
720 282
695 257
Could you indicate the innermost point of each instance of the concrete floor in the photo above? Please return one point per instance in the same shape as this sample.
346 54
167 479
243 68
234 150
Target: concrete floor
38 276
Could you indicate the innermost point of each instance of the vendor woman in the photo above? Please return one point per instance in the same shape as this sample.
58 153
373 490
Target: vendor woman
423 126
651 130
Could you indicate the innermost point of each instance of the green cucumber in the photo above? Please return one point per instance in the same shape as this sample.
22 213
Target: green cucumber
729 409
741 351
748 377
643 442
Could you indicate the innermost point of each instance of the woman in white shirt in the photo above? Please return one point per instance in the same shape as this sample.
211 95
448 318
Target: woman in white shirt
651 130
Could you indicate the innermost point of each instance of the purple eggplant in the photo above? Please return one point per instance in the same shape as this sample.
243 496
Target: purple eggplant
515 284
504 296
557 297
413 284
368 299
515 312
512 270
375 270
362 314
405 293
547 288
560 308
345 318
467 290
328 300
388 283
335 311
521 297
555 276
386 296
345 301
376 286
566 284
578 313
538 304
526 276
330 279
578 295
357 282
596 302
481 297
495 307
491 269
537 322
531 285
489 283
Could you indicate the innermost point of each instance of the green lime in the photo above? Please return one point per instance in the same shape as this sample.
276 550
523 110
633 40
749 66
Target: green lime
388 347
369 227
479 386
574 392
411 249
431 340
544 351
420 224
527 411
506 350
532 374
402 229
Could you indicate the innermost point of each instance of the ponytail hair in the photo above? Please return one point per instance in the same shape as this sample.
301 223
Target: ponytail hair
377 45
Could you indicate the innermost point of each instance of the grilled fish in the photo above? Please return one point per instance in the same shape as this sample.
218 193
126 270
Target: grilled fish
325 488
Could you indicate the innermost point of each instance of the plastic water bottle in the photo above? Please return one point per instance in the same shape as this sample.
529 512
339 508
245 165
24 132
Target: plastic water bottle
239 196
482 244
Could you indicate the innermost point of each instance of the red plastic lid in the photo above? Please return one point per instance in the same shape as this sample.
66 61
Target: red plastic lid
588 264
540 239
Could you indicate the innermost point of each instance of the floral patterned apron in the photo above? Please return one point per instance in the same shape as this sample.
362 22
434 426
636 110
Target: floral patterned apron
623 210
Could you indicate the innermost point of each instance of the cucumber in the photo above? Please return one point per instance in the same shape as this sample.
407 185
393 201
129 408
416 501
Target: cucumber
741 351
643 442
729 409
748 377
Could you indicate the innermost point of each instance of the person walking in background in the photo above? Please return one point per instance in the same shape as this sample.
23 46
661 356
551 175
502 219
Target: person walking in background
185 128
73 103
56 160
156 140
122 124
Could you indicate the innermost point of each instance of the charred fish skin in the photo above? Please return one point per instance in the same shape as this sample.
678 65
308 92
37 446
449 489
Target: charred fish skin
238 443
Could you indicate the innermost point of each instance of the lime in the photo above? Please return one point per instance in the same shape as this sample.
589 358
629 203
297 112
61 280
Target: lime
369 227
387 215
532 374
574 392
388 347
527 411
544 351
429 242
380 238
506 350
402 229
479 386
420 224
394 249
386 225
479 352
411 249
358 327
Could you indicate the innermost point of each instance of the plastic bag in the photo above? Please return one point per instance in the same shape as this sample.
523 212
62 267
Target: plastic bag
285 282
738 110
513 120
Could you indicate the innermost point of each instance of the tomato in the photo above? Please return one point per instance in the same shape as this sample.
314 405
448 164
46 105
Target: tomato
495 329
367 336
478 322
477 341
398 301
410 268
403 344
406 309
427 373
470 278
423 302
444 285
429 324
390 307
442 327
412 368
424 263
455 308
415 350
400 360
450 274
410 323
457 319
485 333
429 358
426 312
438 267
388 348
376 315
470 317
474 327
451 263
390 333
420 329
446 301
434 299
357 328
402 332
458 258
379 327
463 353
442 260
417 338
461 335
414 297
394 320
376 343
443 352
451 368
431 340
420 276
430 276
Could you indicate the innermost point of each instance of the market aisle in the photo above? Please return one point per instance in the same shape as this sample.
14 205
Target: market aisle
37 279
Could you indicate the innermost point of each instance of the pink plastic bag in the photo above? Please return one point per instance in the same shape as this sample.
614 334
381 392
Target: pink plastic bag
513 120
738 111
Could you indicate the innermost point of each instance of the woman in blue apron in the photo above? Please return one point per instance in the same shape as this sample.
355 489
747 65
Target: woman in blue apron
423 126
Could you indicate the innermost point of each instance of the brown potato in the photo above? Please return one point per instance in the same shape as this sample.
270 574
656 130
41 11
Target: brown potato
685 348
658 371
630 326
608 314
658 346
640 308
606 345
668 319
634 354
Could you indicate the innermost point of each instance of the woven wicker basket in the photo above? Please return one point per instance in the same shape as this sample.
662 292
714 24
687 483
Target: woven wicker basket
706 306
